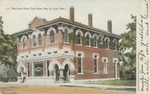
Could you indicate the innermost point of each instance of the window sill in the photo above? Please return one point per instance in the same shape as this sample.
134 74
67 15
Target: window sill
79 44
80 73
66 42
105 73
95 47
96 73
107 49
88 46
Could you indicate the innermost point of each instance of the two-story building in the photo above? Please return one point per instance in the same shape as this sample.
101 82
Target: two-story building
65 50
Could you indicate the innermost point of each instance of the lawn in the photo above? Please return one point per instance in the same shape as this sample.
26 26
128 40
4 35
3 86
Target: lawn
116 82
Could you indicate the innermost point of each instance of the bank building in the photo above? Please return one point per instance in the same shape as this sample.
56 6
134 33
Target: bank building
63 50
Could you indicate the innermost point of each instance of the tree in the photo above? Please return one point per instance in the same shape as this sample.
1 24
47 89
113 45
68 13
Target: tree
8 50
128 51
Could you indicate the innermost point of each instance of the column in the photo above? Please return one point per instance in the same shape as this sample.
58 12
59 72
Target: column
61 77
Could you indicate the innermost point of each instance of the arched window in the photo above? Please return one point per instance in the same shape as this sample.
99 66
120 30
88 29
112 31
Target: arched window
66 36
87 40
52 37
40 39
79 38
24 43
95 41
107 40
34 40
114 44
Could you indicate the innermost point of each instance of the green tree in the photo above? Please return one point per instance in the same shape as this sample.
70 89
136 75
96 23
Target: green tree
7 50
128 51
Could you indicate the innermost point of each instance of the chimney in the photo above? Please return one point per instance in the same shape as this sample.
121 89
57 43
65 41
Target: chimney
109 26
71 13
90 19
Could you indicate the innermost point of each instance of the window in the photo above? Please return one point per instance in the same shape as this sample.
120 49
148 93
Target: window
107 40
80 64
101 39
38 69
87 40
40 39
95 41
24 43
66 36
34 40
105 66
47 68
114 44
79 38
52 37
95 64
28 68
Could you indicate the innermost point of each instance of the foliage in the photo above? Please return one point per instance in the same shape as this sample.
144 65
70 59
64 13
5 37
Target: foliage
7 49
128 51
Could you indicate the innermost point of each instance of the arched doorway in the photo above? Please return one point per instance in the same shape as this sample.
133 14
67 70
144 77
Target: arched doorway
56 72
66 72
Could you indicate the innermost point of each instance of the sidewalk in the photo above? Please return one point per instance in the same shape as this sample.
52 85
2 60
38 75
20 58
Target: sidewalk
81 85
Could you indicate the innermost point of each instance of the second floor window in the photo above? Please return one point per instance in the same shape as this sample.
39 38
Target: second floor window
79 38
52 37
34 40
107 44
24 43
87 40
66 36
40 39
115 45
95 41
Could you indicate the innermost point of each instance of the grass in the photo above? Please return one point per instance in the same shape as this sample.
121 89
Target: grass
116 82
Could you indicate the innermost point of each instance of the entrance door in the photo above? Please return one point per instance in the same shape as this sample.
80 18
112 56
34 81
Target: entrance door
66 72
56 69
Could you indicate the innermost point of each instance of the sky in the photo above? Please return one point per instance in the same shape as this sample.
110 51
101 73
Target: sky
16 17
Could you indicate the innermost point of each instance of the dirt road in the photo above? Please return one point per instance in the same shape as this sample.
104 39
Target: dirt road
56 90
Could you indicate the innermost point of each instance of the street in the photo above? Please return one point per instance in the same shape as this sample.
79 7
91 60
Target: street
56 90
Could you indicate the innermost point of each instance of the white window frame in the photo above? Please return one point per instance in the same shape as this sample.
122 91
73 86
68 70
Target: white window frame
88 33
115 44
40 40
105 65
97 60
48 34
95 42
24 40
82 56
116 66
108 40
68 32
81 35
101 39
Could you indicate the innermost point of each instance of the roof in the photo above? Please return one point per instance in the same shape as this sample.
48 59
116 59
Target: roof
78 24
22 32
67 21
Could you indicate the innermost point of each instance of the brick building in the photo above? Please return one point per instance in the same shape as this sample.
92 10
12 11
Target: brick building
65 50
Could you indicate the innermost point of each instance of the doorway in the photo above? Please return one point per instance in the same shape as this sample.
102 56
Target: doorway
56 72
66 73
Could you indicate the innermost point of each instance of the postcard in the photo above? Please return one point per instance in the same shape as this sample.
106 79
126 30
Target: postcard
74 47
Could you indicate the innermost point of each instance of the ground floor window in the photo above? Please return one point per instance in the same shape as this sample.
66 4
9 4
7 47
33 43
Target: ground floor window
79 64
95 64
105 66
38 69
